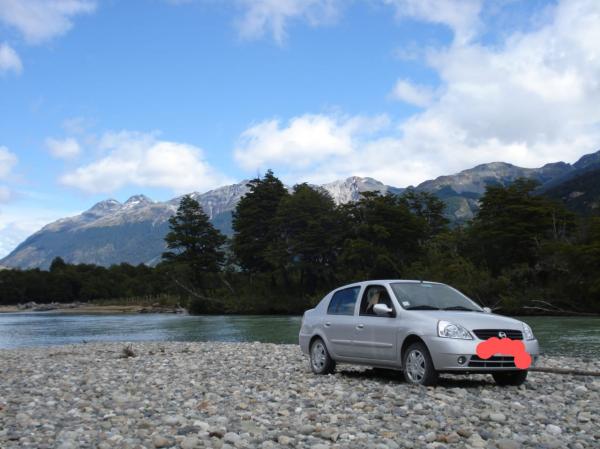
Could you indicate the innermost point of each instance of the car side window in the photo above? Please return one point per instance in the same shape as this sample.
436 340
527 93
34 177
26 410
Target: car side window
343 301
375 294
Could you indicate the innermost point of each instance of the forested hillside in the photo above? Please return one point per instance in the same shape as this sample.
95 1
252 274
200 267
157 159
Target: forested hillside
522 253
580 194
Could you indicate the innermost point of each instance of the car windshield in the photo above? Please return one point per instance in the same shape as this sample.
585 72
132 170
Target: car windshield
426 296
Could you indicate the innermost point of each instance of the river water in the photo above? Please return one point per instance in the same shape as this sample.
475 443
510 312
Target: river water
557 335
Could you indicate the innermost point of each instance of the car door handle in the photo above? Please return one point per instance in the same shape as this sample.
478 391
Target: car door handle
327 324
360 326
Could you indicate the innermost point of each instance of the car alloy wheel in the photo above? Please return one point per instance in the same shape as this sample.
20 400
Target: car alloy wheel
418 367
320 360
318 356
415 366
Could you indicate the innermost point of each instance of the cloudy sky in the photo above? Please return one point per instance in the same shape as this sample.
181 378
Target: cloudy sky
108 98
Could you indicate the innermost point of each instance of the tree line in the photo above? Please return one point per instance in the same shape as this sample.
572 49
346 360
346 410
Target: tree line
522 253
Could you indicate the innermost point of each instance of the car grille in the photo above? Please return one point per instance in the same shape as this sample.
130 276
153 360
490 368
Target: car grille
496 361
484 334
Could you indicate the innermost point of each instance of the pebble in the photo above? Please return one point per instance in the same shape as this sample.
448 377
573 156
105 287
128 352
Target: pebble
553 429
498 417
189 443
160 441
507 444
264 396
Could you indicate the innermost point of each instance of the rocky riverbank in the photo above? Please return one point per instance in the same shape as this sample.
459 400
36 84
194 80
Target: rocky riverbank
223 395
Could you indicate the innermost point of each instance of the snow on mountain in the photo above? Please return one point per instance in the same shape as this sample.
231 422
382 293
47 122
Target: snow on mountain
349 189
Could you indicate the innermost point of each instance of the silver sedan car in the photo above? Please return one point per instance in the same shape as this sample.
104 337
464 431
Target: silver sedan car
421 328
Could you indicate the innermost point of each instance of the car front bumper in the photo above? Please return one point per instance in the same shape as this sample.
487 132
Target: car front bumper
445 353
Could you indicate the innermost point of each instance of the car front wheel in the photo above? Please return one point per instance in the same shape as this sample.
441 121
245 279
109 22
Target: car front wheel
320 360
512 378
418 367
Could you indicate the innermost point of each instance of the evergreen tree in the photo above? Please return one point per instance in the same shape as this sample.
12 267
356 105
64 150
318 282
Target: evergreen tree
428 207
306 237
193 240
512 222
57 265
382 235
254 223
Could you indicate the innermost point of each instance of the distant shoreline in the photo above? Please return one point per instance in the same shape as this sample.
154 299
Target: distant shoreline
82 308
114 309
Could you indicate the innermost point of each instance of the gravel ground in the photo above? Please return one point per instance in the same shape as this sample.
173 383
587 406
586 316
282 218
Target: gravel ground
238 395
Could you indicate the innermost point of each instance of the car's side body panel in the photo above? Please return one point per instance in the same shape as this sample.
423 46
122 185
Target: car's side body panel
339 330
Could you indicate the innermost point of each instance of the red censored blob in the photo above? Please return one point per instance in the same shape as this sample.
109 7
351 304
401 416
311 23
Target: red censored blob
505 346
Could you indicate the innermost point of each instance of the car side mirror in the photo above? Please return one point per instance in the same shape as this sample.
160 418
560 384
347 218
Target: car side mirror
487 310
382 309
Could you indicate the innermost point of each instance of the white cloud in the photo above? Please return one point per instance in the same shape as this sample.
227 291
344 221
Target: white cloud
412 93
461 16
41 20
9 59
77 125
17 223
7 161
140 159
303 141
262 17
63 148
320 148
529 100
5 194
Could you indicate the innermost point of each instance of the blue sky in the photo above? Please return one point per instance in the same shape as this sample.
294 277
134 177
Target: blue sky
112 98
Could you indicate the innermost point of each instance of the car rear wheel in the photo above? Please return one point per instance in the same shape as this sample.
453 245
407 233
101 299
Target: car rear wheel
511 378
418 367
320 360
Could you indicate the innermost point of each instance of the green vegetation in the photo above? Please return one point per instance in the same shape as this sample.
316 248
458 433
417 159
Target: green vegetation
523 253
580 193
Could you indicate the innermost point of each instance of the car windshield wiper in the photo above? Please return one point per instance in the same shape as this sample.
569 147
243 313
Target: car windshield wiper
422 308
460 308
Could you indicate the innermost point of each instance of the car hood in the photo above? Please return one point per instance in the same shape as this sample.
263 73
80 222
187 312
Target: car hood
473 320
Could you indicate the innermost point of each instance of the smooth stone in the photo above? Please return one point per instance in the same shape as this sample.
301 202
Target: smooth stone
430 437
160 441
189 443
507 444
498 417
553 429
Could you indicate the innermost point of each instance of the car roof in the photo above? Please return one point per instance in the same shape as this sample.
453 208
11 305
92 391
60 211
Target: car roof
385 281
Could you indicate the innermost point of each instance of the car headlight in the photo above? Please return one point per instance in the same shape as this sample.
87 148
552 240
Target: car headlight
451 330
527 332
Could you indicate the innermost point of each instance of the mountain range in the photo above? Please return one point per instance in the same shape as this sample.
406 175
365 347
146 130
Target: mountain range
112 232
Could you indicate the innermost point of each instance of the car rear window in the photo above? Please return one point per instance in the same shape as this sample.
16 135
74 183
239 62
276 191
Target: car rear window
343 301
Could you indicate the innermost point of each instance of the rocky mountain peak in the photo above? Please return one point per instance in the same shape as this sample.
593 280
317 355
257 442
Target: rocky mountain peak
588 160
104 207
138 200
349 189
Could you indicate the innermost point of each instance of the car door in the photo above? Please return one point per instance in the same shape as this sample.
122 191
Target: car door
375 336
339 321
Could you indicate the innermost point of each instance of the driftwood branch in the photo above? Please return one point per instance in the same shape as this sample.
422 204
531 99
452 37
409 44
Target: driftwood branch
575 372
227 284
194 293
545 306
